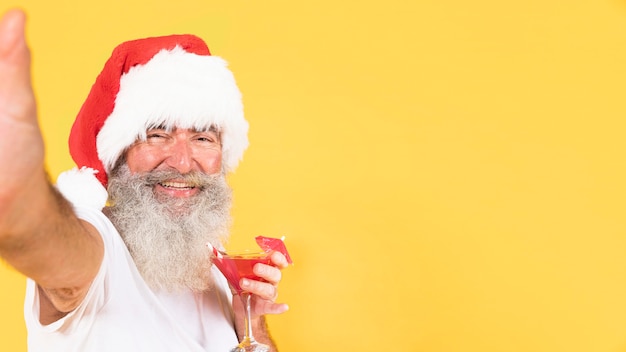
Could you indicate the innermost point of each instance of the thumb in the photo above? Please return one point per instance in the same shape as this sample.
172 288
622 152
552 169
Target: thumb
21 145
16 95
13 47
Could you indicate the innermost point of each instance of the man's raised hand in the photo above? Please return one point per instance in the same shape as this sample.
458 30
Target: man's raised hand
21 144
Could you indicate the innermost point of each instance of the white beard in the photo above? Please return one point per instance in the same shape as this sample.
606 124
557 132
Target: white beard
167 237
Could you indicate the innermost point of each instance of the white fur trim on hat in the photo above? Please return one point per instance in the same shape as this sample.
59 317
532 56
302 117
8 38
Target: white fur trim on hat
81 187
176 89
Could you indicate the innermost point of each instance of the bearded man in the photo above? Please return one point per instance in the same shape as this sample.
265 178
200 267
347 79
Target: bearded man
115 254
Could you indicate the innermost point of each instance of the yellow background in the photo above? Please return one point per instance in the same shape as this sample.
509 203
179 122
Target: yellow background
450 175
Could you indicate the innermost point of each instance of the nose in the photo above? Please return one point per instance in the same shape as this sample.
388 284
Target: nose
180 156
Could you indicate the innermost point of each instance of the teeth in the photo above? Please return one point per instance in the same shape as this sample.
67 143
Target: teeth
171 184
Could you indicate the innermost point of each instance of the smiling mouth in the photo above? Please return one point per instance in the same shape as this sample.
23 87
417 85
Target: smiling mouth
177 185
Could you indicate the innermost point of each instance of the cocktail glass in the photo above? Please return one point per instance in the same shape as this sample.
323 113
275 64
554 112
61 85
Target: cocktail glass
236 266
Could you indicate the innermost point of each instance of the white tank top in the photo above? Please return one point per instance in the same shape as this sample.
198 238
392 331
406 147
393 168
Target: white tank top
121 313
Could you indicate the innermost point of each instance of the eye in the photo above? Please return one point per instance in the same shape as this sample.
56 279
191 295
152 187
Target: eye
208 137
156 134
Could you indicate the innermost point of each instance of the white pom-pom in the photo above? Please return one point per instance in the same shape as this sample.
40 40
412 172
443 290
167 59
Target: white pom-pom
81 187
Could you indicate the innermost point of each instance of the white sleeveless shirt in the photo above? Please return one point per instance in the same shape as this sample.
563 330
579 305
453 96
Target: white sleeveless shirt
121 313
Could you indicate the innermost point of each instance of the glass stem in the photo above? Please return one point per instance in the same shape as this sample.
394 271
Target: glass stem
246 299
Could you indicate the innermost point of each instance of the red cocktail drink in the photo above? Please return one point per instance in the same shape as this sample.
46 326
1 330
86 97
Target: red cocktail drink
236 266
240 265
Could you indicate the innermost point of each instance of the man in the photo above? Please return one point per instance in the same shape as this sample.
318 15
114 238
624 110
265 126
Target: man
161 126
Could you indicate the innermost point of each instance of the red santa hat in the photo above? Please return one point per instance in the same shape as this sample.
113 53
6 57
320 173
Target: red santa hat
171 81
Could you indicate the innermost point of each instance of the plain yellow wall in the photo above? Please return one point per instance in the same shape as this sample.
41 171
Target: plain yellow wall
449 174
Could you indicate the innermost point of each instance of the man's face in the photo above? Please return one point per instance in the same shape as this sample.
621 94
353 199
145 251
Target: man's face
168 199
182 150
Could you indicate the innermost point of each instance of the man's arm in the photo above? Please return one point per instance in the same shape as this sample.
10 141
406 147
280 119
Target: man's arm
39 233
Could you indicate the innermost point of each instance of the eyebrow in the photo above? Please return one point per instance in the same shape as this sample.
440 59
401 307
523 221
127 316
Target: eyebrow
157 127
211 128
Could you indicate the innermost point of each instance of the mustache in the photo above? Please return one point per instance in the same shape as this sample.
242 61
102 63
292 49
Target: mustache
193 178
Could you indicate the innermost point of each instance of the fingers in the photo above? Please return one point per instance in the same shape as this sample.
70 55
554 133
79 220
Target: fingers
264 296
270 277
265 307
279 260
264 290
267 272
